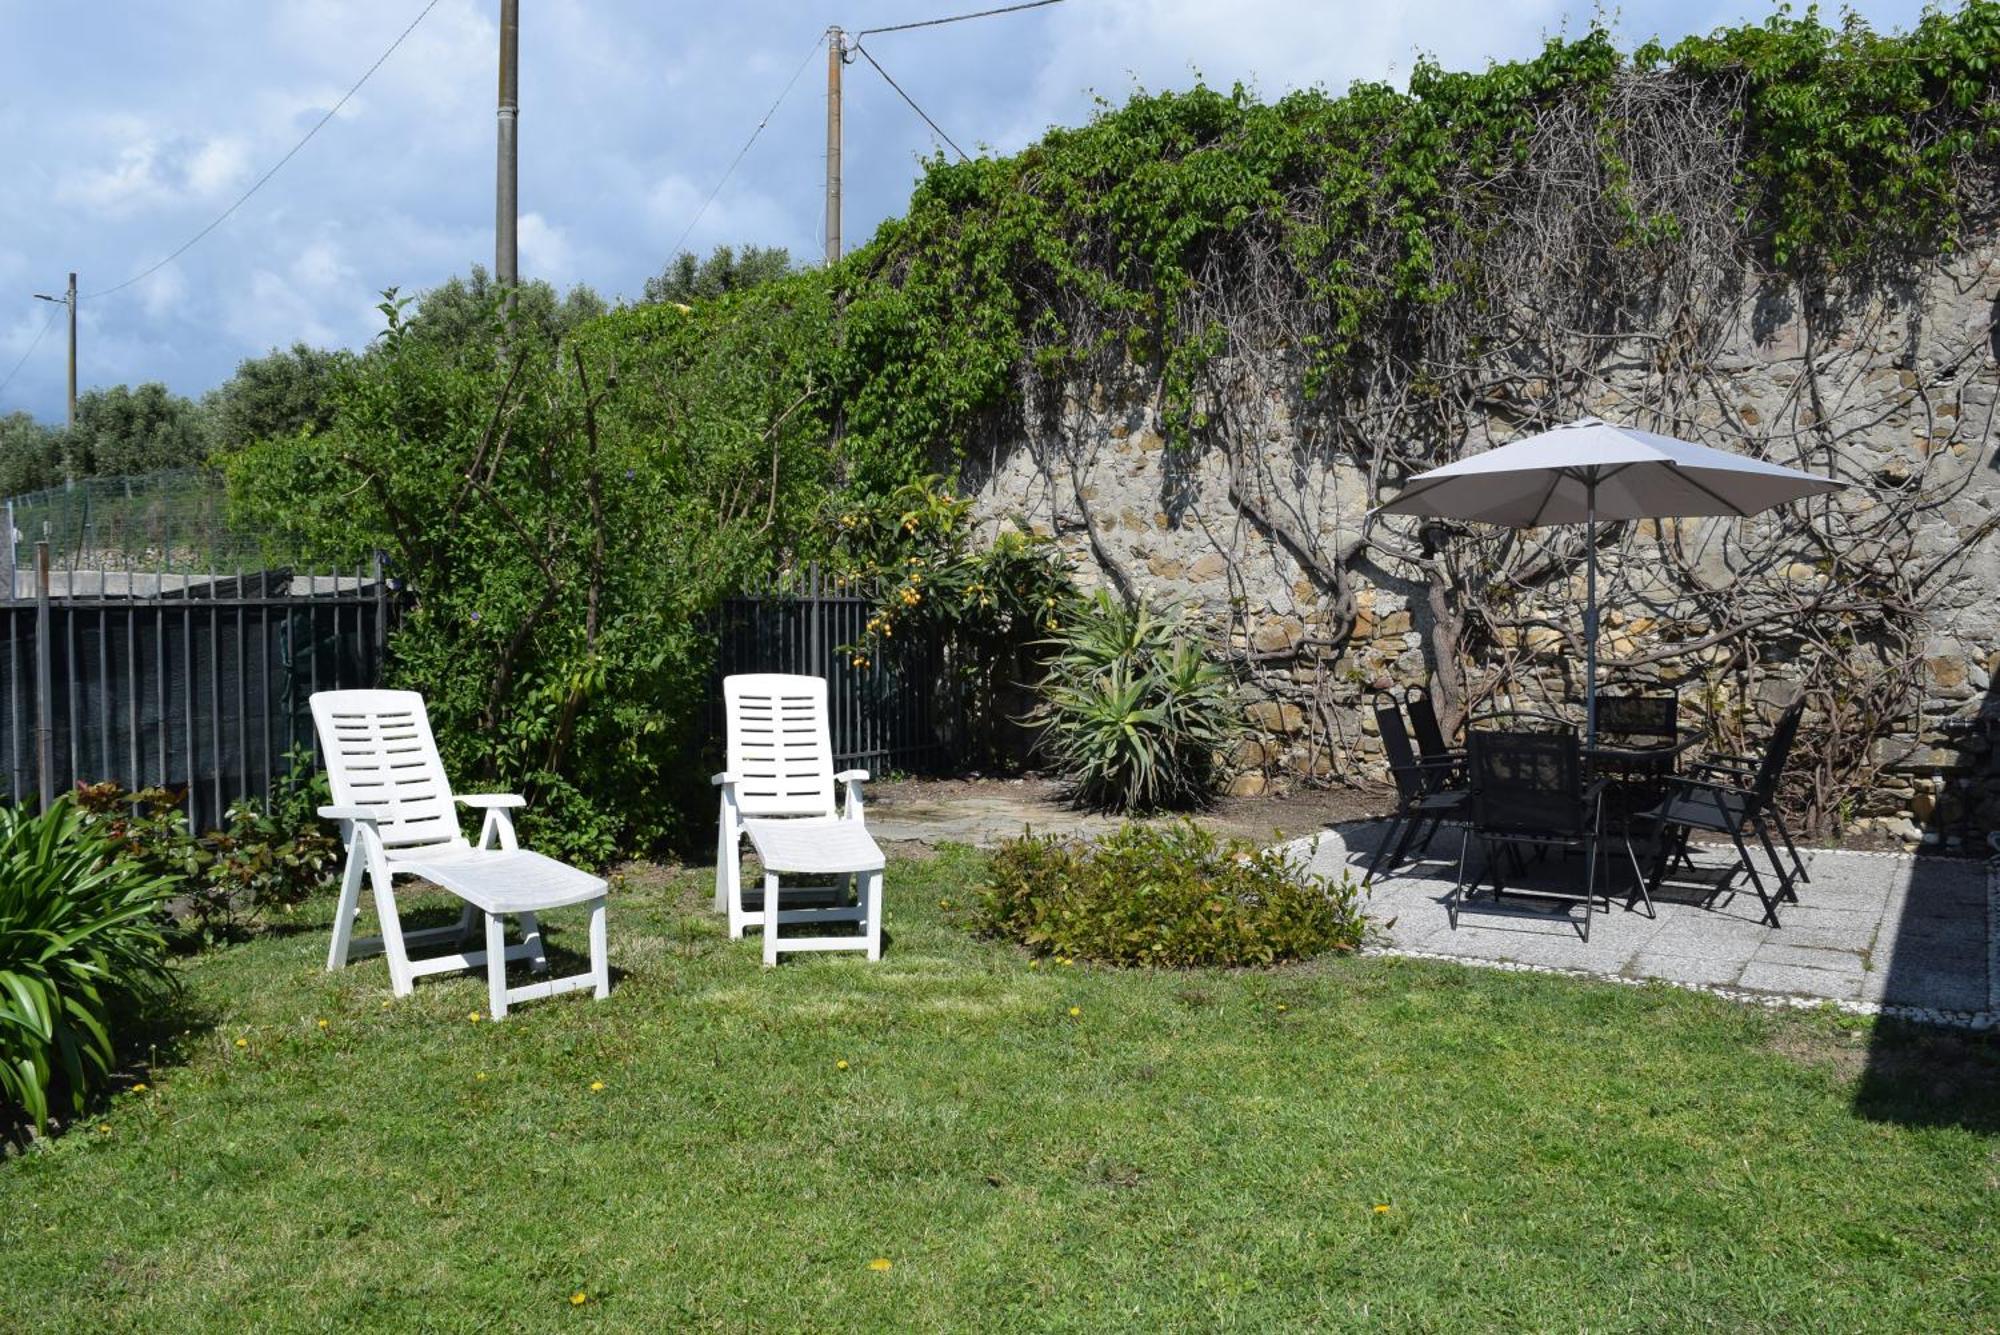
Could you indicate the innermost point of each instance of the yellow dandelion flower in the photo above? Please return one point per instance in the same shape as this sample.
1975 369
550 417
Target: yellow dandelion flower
1283 1007
472 1016
480 1076
597 1086
1034 964
1067 961
385 1005
579 1298
242 1042
1381 1209
320 1023
840 1065
1076 1010
880 1263
139 1087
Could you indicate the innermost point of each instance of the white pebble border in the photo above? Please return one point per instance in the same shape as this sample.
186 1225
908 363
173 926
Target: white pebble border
1988 1019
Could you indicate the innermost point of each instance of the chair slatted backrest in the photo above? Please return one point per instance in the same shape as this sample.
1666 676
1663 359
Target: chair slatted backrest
1526 782
779 747
1424 723
1656 716
1411 781
1776 753
380 755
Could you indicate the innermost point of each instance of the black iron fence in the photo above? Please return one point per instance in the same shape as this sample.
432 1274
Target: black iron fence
179 681
895 708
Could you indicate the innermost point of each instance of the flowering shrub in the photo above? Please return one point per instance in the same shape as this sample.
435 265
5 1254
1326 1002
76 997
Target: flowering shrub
914 548
1173 896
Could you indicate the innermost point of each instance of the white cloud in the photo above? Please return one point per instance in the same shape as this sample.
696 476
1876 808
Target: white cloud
163 293
219 164
545 251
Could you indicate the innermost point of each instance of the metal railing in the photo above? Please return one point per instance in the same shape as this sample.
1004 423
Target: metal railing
898 710
195 682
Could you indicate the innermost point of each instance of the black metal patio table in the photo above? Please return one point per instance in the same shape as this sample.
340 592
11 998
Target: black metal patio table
1638 775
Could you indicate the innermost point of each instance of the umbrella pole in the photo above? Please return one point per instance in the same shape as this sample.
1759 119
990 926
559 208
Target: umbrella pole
1590 612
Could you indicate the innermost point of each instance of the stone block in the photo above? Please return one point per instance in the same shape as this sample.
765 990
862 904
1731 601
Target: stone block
1277 634
1279 716
1248 785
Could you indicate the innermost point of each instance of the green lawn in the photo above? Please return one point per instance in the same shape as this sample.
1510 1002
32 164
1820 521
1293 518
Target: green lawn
1365 1142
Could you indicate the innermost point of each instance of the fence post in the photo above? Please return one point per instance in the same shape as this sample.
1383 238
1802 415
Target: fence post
381 622
13 536
45 691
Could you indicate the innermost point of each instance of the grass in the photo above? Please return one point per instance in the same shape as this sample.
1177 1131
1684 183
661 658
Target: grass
1361 1142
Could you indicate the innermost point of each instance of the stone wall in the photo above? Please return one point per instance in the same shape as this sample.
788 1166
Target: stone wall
1891 388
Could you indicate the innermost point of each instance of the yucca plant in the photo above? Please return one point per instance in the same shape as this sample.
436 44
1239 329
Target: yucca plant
1133 712
79 940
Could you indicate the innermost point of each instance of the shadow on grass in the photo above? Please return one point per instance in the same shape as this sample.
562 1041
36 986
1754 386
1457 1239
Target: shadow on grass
1922 1075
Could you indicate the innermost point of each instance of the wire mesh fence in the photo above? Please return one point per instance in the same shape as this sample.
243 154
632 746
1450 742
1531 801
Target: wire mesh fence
169 522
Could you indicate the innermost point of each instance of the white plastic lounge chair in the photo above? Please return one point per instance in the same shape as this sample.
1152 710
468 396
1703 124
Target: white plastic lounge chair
778 789
398 818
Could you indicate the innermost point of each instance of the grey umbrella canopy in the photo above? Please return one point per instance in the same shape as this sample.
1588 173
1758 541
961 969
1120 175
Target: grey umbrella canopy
1591 470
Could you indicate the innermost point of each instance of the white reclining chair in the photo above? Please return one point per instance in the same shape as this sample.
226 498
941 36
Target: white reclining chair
778 790
398 818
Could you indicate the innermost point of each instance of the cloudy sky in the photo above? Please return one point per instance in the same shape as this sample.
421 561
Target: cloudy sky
128 125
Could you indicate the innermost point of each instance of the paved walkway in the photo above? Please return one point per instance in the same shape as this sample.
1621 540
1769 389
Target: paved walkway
1910 934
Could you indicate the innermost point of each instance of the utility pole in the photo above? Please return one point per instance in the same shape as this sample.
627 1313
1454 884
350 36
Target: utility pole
506 266
836 56
69 447
68 299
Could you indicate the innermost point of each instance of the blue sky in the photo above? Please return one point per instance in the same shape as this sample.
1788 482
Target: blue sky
126 125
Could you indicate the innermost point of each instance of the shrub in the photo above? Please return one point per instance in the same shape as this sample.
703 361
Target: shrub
80 945
259 858
1173 896
1133 713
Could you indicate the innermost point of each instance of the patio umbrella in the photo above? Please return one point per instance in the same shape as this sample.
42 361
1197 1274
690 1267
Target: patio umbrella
1591 470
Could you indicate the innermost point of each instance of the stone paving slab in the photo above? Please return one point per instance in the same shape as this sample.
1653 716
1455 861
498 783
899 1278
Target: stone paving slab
1915 934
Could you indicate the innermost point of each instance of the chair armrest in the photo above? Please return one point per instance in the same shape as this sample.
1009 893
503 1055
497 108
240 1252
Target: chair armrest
725 777
851 776
364 814
1726 789
489 801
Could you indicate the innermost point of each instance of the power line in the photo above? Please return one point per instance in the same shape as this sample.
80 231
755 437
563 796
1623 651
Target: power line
319 125
936 129
47 325
738 159
957 18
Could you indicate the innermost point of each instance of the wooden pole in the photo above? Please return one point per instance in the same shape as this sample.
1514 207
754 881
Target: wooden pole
836 56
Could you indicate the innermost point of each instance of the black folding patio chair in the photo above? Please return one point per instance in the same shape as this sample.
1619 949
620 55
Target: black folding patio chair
1424 727
1734 804
1528 791
1424 794
1741 771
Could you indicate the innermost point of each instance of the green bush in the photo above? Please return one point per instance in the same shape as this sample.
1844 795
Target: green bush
259 858
1173 897
1133 713
561 510
80 946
